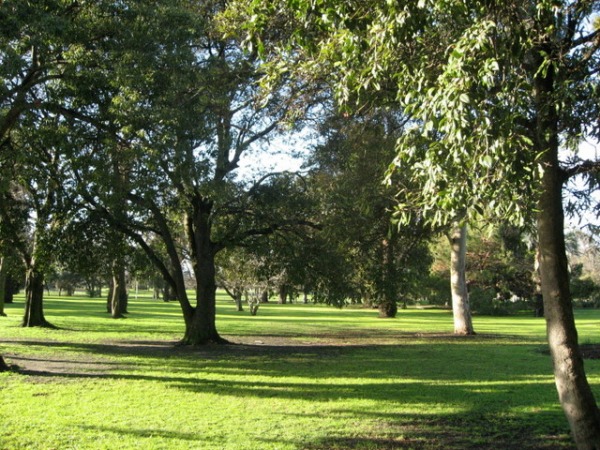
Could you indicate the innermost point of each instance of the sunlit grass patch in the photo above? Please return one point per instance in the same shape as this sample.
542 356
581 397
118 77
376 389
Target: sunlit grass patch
300 376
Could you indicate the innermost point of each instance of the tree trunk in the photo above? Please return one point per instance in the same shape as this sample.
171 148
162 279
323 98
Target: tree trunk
238 298
283 293
118 292
3 366
3 286
11 289
461 308
34 300
168 293
388 310
200 322
200 325
574 392
264 296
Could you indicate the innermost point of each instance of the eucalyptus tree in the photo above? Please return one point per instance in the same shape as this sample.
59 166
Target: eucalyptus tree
493 90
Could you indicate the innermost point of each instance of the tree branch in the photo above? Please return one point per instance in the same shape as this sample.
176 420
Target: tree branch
584 167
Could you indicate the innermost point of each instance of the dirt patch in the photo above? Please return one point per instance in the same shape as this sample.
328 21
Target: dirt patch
95 360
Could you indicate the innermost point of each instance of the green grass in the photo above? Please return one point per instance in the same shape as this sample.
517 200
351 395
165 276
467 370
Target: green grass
306 376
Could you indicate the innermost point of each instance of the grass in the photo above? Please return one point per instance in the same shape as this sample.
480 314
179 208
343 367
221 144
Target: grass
302 377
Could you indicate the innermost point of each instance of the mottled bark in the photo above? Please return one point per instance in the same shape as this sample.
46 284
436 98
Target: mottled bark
461 308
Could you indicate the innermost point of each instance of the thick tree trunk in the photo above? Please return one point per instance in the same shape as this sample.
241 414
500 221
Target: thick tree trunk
200 322
34 300
200 325
461 308
574 391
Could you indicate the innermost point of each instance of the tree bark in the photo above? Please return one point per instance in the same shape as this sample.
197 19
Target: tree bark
34 300
239 307
3 285
11 288
264 296
3 366
118 292
461 309
574 392
283 294
200 321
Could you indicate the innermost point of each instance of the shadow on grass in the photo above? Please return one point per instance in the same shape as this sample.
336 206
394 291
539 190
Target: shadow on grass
466 431
149 433
477 376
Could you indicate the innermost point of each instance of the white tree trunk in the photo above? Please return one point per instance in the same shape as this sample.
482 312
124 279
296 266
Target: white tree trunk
458 282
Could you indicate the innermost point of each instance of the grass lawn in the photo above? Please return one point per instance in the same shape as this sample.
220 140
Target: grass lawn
300 377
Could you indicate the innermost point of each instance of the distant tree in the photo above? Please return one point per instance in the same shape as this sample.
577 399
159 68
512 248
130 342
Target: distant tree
37 190
386 261
499 265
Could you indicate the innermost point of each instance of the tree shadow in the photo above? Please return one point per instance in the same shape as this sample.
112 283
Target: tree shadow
406 375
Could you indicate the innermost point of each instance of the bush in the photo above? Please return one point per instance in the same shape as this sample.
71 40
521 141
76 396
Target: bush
585 293
486 302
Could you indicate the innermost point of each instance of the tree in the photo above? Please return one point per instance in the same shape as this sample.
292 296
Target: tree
492 90
36 206
382 263
38 43
3 366
179 121
499 264
461 309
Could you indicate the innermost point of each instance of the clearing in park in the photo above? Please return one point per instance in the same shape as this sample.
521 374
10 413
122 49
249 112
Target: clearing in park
296 376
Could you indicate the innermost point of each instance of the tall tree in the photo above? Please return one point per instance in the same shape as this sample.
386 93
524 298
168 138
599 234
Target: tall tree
383 262
492 89
176 114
